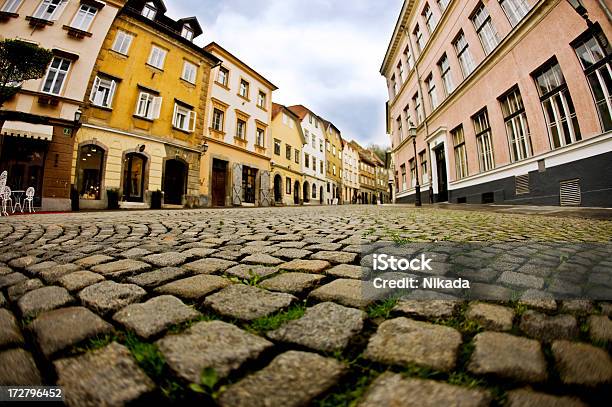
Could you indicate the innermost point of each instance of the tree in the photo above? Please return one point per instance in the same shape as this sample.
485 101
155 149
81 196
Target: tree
380 151
20 61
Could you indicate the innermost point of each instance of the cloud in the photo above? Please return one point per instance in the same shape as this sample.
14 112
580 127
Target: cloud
321 53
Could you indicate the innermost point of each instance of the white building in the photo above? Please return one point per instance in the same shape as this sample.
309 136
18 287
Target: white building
350 173
313 155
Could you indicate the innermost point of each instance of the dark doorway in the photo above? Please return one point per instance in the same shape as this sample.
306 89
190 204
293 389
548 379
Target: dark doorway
306 192
175 181
219 182
134 168
249 175
278 189
296 193
24 160
321 195
441 171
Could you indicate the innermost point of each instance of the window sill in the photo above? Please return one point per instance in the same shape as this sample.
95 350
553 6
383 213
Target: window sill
243 97
49 99
38 22
240 141
260 149
187 83
119 54
108 109
5 16
262 108
154 67
218 134
224 86
146 119
76 33
181 130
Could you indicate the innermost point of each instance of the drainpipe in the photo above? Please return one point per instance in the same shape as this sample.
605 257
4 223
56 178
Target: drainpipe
605 9
416 163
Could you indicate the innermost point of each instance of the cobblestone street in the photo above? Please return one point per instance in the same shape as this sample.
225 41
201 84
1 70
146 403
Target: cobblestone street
254 307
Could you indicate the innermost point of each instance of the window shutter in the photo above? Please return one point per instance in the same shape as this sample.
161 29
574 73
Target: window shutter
138 112
174 118
94 89
192 120
112 93
156 108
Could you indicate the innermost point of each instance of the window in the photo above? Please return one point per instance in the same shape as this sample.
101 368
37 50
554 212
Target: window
102 91
431 90
261 100
10 6
288 152
321 167
416 101
122 42
463 54
408 119
517 127
409 59
413 178
297 156
483 141
310 118
187 32
288 185
443 4
445 73
314 142
334 169
90 167
277 146
240 129
314 164
157 57
430 19
394 86
49 9
321 145
217 119
314 190
515 10
149 11
244 89
595 55
316 124
418 36
260 137
558 107
83 18
423 161
403 169
334 151
306 160
461 169
56 76
484 27
190 72
223 75
400 70
400 133
184 118
148 106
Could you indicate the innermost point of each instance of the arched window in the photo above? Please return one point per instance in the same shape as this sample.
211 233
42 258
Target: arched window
91 160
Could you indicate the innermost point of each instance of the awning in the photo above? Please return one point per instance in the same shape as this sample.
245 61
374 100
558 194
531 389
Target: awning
28 130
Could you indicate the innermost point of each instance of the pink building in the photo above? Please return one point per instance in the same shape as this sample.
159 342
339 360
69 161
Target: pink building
510 101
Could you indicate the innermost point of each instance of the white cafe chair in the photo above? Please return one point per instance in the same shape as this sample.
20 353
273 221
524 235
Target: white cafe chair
3 178
28 202
6 199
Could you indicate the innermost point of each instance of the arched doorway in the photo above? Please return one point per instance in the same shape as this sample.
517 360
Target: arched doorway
134 166
321 194
175 181
90 166
296 193
306 192
278 189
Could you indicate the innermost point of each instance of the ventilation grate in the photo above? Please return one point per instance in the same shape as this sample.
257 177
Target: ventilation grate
521 184
569 192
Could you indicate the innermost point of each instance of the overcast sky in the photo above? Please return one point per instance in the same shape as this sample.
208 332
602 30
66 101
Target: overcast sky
324 54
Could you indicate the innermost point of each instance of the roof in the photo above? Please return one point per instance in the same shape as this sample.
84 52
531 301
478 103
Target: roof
300 110
214 47
277 108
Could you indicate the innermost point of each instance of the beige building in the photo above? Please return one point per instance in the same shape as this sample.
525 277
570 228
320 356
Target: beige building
511 100
350 173
37 139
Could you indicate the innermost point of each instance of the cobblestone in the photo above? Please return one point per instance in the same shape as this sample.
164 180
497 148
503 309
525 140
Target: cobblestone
247 302
493 317
528 397
108 296
43 299
17 368
194 288
9 331
582 364
79 279
548 328
209 265
292 283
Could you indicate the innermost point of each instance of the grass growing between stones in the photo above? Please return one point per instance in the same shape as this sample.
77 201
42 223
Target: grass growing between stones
383 309
148 357
272 322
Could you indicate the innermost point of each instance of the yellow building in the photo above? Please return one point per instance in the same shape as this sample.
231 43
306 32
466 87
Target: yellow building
333 156
144 120
236 169
287 140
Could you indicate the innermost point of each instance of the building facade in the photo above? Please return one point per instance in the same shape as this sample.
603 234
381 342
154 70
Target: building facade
367 176
313 158
350 173
236 169
145 115
286 164
382 180
333 162
38 135
511 101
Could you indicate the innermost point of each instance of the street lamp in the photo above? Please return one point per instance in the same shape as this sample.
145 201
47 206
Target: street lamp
203 148
580 9
412 133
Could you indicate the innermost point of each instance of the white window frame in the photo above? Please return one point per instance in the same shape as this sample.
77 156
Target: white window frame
190 72
443 4
58 73
11 6
148 106
446 75
517 127
218 119
123 41
261 100
243 88
225 72
184 118
515 10
241 134
149 11
42 12
84 17
157 57
103 98
430 20
485 29
260 137
466 61
187 32
484 141
431 91
418 36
